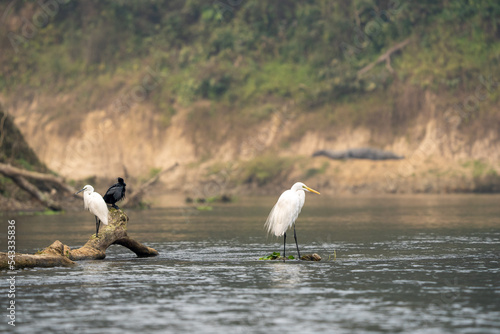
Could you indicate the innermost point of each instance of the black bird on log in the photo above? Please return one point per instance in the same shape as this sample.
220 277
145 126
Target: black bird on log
115 193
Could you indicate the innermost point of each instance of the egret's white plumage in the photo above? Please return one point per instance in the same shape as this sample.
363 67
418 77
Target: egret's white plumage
94 202
286 210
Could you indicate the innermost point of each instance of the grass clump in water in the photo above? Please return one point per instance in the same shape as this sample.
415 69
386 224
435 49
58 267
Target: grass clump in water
276 256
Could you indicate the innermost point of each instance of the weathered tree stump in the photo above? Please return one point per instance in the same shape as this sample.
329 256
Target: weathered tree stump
59 254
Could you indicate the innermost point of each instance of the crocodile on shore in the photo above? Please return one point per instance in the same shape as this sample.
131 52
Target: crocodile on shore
358 153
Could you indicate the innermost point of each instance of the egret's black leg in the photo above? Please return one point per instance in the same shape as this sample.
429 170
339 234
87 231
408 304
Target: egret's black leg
97 223
295 236
115 206
284 246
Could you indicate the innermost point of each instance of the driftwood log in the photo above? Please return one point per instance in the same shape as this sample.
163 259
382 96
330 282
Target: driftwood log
59 254
10 170
45 199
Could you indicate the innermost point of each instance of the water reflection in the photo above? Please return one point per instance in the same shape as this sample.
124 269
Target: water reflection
285 275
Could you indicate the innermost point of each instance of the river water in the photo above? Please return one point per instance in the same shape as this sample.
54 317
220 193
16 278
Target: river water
414 264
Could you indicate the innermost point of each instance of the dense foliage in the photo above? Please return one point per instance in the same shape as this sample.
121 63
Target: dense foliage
243 53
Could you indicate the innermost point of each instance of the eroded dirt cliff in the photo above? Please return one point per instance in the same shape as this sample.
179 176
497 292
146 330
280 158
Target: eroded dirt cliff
218 156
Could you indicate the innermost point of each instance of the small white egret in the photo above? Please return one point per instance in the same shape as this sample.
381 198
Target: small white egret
94 202
286 211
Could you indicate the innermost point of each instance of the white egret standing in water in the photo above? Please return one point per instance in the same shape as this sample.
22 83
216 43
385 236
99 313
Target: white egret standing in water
94 202
286 211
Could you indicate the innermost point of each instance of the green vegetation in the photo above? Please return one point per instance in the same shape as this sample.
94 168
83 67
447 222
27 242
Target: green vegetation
486 179
265 169
14 149
316 171
479 168
248 53
276 256
153 172
46 212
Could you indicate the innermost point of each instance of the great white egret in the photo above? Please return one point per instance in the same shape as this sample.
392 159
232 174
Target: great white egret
286 211
115 193
94 202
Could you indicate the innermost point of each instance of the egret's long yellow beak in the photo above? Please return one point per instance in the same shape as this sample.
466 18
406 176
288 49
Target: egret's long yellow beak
312 190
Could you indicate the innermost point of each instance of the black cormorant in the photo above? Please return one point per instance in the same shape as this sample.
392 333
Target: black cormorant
115 193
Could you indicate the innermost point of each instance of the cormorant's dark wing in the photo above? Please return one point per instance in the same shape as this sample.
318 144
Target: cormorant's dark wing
119 193
110 195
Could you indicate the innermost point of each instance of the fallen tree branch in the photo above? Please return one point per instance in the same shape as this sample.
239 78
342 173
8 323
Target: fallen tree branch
31 261
136 198
384 57
59 254
33 191
19 176
139 249
11 171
